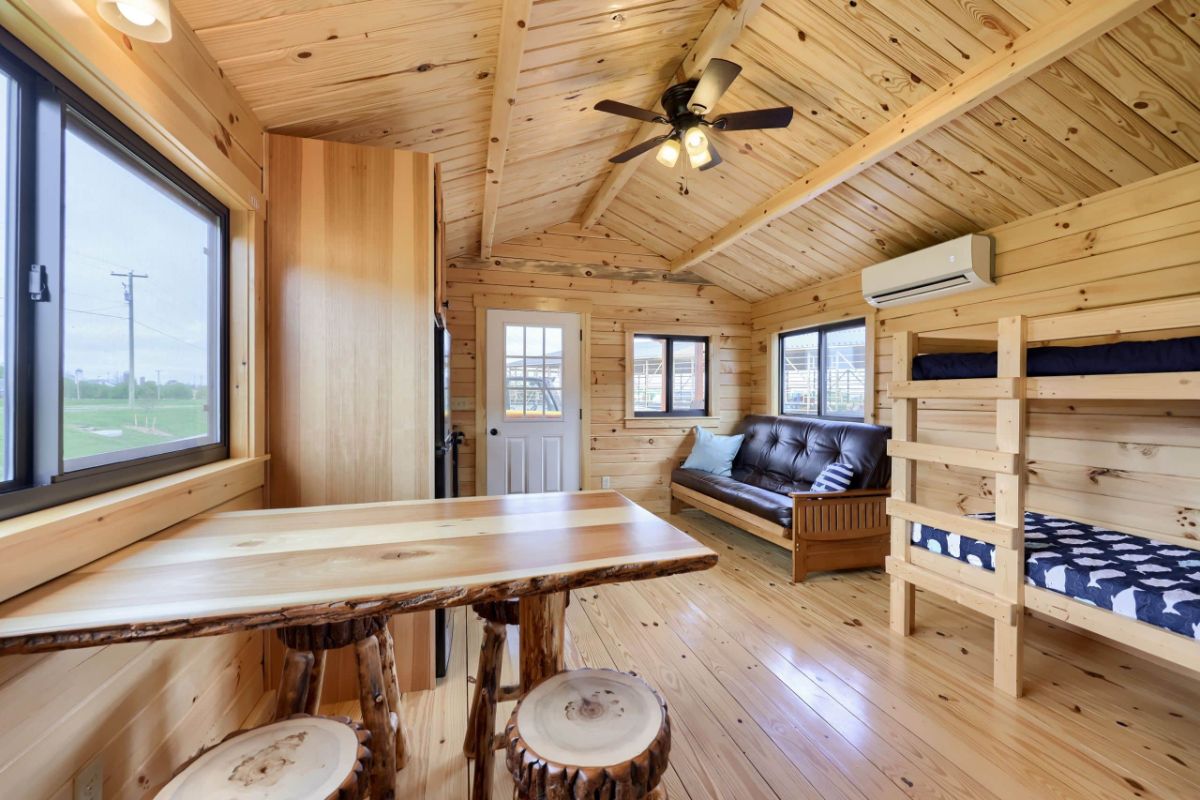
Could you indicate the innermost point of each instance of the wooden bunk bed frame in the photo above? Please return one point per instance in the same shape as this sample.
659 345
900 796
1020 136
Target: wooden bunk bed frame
1003 595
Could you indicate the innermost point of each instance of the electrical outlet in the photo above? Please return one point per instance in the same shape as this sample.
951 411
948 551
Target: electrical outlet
89 781
606 482
462 404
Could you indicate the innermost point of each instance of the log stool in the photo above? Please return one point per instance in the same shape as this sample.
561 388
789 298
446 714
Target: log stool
481 740
378 687
589 733
315 758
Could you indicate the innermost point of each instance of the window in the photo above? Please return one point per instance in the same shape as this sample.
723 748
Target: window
670 376
822 371
533 372
113 311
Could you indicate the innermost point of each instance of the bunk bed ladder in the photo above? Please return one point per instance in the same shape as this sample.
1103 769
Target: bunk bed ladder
999 595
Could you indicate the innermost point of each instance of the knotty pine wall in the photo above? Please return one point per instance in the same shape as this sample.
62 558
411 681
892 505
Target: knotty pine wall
145 708
1132 465
638 461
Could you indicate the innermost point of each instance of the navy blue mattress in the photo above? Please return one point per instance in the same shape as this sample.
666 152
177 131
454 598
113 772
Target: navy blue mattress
1139 578
1163 355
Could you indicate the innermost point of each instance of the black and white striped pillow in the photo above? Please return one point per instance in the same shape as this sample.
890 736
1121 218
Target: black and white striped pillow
834 478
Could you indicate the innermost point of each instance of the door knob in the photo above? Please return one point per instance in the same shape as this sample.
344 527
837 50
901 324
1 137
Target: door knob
494 432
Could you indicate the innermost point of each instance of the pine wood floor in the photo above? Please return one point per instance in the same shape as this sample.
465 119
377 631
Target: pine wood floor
781 691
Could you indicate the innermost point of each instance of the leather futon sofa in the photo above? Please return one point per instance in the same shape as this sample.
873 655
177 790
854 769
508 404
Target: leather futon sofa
769 492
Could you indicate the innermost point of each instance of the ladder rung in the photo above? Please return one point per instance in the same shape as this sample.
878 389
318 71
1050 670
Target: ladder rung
988 460
995 607
959 389
991 532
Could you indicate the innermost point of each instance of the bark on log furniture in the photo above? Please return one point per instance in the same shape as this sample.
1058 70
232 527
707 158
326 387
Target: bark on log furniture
768 493
589 733
482 741
303 756
328 565
378 686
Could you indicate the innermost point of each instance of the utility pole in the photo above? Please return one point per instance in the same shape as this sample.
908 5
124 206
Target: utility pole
158 382
129 277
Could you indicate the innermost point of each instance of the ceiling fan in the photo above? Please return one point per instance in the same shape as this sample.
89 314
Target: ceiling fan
686 105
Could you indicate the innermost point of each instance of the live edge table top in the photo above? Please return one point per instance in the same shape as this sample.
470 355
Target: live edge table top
243 570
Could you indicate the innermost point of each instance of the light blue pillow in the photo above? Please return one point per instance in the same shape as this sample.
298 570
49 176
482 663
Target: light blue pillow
834 478
713 453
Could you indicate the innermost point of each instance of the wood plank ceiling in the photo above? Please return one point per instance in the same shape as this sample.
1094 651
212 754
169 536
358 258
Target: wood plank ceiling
1118 109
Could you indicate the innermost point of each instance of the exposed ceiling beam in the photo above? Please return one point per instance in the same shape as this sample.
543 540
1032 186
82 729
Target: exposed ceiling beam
1027 54
721 31
514 23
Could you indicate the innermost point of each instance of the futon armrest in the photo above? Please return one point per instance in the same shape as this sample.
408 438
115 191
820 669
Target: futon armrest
848 494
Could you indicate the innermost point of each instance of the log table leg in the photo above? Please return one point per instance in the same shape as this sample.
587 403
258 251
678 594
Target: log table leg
387 655
312 705
543 618
377 717
293 686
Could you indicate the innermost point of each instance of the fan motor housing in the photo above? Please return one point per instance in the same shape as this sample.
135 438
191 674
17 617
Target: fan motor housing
675 101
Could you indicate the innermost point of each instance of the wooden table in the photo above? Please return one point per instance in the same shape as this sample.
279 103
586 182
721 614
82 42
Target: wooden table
246 570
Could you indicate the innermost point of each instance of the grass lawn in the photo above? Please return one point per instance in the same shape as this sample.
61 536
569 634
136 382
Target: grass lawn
91 427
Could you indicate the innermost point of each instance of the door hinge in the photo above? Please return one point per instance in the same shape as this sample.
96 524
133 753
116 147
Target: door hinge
39 284
581 414
581 336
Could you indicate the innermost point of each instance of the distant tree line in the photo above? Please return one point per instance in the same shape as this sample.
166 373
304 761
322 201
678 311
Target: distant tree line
146 390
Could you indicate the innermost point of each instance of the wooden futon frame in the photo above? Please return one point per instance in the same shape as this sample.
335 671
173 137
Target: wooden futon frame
830 530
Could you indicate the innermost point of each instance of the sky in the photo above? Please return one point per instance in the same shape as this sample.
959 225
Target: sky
116 220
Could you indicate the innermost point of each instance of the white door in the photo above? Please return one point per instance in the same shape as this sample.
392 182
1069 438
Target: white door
533 402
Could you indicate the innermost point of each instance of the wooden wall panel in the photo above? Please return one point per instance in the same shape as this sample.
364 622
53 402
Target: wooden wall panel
350 310
1131 465
639 461
143 709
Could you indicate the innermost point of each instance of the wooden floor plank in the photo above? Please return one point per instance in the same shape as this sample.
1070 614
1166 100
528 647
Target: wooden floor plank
782 691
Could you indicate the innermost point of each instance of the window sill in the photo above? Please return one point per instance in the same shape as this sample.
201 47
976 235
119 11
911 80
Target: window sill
47 543
671 422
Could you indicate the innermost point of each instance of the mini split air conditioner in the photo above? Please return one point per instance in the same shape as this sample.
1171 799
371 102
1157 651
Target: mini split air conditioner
959 265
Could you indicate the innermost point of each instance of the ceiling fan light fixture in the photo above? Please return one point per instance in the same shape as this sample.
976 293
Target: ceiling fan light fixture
668 153
698 160
695 141
148 20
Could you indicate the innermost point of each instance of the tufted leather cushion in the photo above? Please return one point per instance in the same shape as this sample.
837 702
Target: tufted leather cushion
786 454
769 505
780 455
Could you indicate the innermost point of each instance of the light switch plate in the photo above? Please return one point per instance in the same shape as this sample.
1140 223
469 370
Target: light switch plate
606 482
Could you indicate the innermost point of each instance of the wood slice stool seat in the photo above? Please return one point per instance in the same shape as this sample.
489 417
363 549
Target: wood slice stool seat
378 686
589 733
299 758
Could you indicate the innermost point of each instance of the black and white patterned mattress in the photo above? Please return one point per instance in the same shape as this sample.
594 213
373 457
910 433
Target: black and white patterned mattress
1143 579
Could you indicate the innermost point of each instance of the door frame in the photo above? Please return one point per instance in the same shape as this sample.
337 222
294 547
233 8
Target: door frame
487 302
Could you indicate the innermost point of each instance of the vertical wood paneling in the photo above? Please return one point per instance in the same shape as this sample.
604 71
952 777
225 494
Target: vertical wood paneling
637 460
1129 465
350 310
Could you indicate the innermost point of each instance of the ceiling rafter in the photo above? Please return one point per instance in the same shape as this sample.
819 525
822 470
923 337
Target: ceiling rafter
1026 55
722 30
514 24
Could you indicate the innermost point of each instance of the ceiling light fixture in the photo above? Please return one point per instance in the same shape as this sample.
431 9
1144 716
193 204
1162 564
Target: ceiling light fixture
148 20
668 154
696 144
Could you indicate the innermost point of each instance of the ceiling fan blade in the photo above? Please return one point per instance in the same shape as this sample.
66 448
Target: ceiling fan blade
755 120
717 77
637 150
626 110
713 155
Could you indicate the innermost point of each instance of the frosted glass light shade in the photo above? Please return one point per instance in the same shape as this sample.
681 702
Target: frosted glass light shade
148 20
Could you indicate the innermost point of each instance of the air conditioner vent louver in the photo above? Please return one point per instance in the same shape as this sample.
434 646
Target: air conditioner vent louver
956 266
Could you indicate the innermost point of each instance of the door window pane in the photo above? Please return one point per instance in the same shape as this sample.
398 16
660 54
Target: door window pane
8 117
688 379
800 376
649 365
140 299
845 372
533 366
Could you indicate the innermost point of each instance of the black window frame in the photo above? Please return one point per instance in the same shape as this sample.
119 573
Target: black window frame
822 331
35 329
669 373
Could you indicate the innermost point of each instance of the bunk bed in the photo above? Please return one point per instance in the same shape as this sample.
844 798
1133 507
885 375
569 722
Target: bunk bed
1142 591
